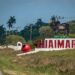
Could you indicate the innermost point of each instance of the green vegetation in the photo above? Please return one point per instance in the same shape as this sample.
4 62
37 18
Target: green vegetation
45 31
38 30
31 43
13 39
11 21
72 26
2 35
71 36
42 63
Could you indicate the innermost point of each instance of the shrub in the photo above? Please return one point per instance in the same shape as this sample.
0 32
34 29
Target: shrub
71 35
45 31
13 39
31 43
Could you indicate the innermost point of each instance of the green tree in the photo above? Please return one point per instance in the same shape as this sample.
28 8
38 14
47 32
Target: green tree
25 33
72 26
45 31
2 35
11 21
31 31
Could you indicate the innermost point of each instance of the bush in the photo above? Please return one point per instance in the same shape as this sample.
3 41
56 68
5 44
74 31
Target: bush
13 39
71 35
45 31
31 43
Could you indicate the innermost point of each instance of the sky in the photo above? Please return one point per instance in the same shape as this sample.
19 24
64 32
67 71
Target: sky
28 11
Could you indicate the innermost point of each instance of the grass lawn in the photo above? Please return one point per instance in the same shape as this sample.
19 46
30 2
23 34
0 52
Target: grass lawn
42 63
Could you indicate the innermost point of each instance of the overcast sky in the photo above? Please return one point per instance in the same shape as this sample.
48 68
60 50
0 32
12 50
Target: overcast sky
28 11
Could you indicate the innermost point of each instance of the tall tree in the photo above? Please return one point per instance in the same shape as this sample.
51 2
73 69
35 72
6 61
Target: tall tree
2 35
11 21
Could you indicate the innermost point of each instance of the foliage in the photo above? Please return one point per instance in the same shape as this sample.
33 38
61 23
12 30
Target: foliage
37 30
71 36
13 39
45 31
11 21
31 43
32 30
53 18
72 27
25 33
2 35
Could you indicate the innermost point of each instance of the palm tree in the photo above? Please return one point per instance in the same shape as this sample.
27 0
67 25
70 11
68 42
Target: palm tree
11 21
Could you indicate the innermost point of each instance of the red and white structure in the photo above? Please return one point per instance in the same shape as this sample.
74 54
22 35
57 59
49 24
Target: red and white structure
51 44
56 44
